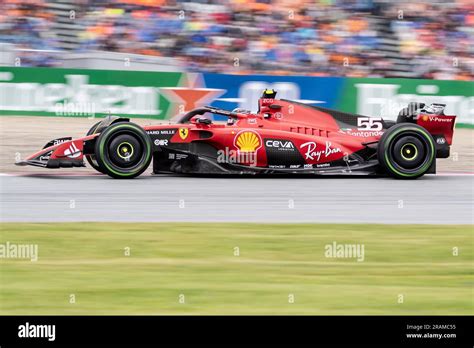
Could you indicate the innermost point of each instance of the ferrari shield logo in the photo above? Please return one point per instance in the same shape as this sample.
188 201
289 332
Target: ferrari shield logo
183 133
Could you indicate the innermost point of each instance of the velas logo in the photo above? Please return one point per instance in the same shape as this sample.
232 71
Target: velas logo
183 133
247 141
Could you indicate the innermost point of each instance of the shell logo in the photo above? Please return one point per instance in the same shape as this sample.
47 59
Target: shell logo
248 141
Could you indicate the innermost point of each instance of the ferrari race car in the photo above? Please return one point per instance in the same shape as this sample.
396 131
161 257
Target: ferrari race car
283 137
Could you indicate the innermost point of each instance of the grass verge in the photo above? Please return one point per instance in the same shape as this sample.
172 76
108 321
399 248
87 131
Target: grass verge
276 263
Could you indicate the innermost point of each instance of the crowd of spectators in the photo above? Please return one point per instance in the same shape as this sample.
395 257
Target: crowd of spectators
354 38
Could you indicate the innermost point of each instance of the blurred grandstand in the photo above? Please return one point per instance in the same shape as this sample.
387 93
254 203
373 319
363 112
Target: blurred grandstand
358 38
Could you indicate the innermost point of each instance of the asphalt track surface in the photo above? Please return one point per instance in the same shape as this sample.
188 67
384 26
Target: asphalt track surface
442 199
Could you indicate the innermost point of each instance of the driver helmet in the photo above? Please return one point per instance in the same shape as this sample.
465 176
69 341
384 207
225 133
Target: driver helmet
269 93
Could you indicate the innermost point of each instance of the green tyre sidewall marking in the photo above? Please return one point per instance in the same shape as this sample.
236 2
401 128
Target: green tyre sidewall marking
102 149
422 169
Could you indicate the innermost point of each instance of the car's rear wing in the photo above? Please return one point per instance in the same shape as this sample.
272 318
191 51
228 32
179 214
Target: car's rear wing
441 127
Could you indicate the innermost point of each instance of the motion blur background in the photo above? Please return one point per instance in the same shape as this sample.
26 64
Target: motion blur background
353 38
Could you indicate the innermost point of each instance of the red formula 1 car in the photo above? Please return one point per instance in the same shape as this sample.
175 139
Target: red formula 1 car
283 137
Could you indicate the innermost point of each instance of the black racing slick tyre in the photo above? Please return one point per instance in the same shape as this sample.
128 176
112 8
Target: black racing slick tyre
91 158
406 151
123 150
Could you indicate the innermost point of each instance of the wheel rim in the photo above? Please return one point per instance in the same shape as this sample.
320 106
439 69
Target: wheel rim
409 152
125 151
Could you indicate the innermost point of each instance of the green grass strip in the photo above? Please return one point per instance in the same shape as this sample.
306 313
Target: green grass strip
276 263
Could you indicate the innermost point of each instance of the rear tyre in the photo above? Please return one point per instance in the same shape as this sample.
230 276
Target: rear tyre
406 151
91 158
123 150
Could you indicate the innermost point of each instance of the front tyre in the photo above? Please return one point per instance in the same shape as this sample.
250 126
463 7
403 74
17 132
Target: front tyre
91 158
123 150
406 151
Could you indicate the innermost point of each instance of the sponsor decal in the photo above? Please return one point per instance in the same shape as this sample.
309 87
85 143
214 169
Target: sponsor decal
183 133
278 115
162 132
60 141
277 166
441 141
252 120
247 141
312 153
323 165
295 166
72 151
362 134
177 156
280 145
308 166
437 119
45 156
161 142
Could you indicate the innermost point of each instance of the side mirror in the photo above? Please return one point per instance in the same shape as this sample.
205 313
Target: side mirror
194 119
201 120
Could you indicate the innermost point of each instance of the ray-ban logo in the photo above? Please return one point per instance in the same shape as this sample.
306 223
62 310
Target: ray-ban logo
37 331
